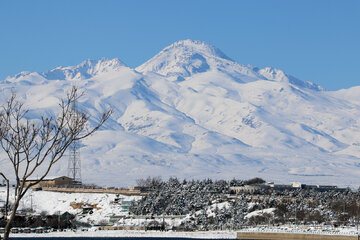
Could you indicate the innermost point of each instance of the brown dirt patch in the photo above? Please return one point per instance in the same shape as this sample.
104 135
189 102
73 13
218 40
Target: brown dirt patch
81 205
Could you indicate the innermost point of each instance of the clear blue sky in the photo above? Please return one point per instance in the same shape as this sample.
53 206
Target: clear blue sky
314 40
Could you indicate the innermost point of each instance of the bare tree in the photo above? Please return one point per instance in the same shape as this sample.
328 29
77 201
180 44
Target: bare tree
34 146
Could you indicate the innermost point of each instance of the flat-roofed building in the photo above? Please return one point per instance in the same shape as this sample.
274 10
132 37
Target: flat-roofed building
51 182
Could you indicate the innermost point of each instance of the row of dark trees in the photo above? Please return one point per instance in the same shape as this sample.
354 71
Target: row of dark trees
63 221
196 197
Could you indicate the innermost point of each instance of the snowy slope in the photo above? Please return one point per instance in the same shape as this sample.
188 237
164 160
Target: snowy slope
192 112
57 202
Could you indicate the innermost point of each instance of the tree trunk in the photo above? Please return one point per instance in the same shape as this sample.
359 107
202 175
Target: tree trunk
10 220
7 194
7 197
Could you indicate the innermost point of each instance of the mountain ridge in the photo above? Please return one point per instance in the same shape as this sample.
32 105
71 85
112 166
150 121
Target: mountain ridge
192 114
86 69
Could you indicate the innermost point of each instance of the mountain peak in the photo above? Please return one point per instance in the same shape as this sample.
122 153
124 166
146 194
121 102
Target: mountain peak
184 58
103 62
197 46
84 70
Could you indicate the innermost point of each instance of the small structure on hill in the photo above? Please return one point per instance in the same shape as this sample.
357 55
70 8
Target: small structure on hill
51 182
282 187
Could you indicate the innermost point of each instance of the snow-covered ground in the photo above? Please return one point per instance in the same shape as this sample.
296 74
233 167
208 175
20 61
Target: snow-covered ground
58 202
135 234
104 208
192 112
322 230
261 212
196 234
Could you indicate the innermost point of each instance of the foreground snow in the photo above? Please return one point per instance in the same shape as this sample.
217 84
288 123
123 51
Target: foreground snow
309 229
154 234
196 234
59 203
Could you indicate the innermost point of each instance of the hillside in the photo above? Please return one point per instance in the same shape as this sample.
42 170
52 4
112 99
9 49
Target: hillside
192 112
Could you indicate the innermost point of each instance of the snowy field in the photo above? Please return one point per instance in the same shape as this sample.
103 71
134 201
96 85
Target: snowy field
196 234
103 207
309 229
130 234
57 202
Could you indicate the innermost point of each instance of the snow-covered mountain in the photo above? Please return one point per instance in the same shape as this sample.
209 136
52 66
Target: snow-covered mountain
192 112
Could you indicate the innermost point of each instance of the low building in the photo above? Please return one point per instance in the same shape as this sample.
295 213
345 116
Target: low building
125 206
284 187
297 185
51 182
320 188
